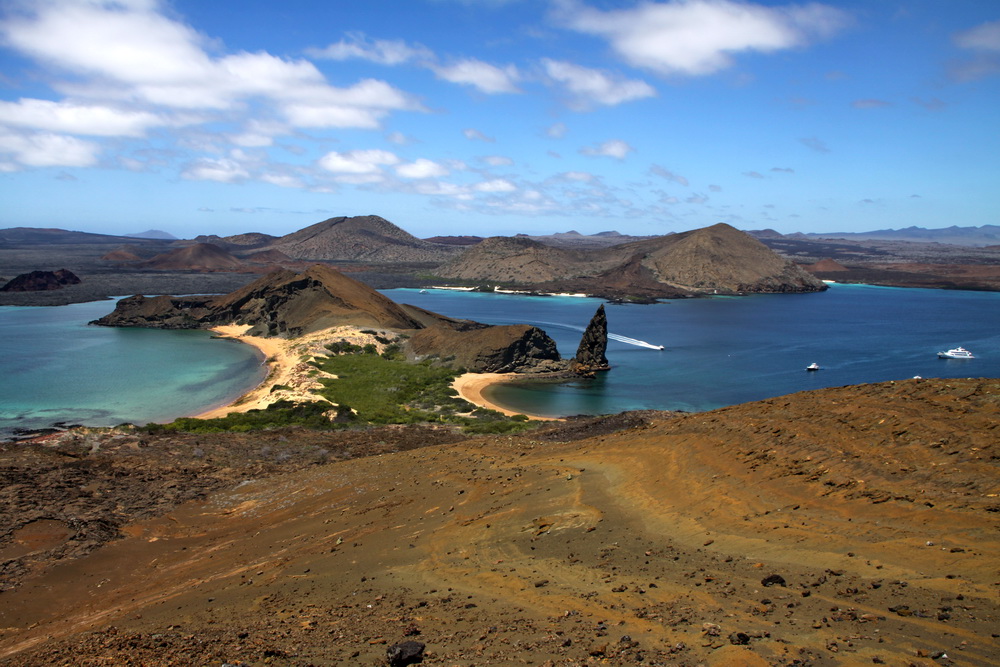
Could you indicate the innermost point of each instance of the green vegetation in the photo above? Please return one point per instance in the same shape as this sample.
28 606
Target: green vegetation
282 413
370 388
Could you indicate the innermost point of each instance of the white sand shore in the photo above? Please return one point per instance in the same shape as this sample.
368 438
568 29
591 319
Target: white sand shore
289 367
288 359
471 385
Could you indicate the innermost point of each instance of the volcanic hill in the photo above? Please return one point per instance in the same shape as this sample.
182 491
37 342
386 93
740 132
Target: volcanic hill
719 258
845 526
367 238
197 257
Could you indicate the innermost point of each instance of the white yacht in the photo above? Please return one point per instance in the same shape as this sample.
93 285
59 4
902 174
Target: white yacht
812 367
957 353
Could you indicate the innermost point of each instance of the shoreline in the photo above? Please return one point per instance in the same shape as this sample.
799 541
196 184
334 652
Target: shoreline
276 358
470 387
286 368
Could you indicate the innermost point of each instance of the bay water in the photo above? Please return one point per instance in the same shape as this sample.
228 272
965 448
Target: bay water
56 368
718 351
727 350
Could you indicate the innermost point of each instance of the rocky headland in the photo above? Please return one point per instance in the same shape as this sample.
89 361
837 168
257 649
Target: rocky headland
289 305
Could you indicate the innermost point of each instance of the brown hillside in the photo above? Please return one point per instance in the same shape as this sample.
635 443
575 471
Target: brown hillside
121 255
197 257
714 258
825 266
724 258
366 238
847 526
504 259
269 256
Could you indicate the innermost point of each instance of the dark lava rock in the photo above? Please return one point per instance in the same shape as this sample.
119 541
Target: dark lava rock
739 638
590 354
405 653
41 281
773 580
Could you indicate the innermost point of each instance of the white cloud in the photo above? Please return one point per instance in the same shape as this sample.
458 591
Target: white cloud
615 148
487 78
495 185
223 170
497 160
473 134
46 149
985 37
76 118
579 176
129 52
592 86
358 162
381 51
663 172
557 130
698 37
282 180
422 168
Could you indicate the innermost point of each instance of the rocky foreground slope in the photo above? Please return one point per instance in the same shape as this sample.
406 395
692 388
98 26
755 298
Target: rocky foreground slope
846 526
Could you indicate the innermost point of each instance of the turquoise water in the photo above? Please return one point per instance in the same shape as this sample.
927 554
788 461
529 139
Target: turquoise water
723 351
719 351
56 368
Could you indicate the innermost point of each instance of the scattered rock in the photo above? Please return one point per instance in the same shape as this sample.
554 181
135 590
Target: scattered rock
405 653
773 580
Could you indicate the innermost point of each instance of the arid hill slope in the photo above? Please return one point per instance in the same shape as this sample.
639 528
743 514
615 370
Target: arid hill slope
846 526
367 238
197 257
719 257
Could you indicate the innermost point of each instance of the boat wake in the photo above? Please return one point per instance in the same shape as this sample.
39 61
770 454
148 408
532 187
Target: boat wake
611 336
634 341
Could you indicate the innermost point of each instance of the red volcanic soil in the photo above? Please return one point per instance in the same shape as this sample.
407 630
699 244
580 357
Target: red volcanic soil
846 526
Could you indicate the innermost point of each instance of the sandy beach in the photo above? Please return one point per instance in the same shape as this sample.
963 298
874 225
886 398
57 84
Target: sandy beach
287 361
289 367
471 385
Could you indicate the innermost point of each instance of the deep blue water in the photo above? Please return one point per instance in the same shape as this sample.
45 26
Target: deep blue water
54 368
719 351
723 351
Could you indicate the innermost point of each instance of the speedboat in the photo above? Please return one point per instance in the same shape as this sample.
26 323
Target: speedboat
957 353
812 367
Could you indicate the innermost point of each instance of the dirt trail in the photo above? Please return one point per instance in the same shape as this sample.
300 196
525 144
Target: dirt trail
845 526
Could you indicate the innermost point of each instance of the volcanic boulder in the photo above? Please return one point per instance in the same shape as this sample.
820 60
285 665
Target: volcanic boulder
590 355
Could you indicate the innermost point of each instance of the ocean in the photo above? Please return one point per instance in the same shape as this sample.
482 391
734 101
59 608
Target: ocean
717 351
57 368
727 350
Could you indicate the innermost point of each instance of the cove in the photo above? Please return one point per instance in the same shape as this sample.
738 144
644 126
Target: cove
57 368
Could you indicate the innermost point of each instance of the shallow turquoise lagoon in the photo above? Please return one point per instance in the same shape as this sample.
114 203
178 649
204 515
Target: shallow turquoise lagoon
57 368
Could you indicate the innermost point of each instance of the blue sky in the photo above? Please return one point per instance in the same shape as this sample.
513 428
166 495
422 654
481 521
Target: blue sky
494 117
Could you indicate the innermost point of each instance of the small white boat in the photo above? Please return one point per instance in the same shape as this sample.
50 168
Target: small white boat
956 353
812 367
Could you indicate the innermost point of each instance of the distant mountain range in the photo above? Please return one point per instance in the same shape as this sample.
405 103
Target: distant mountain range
153 234
985 235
